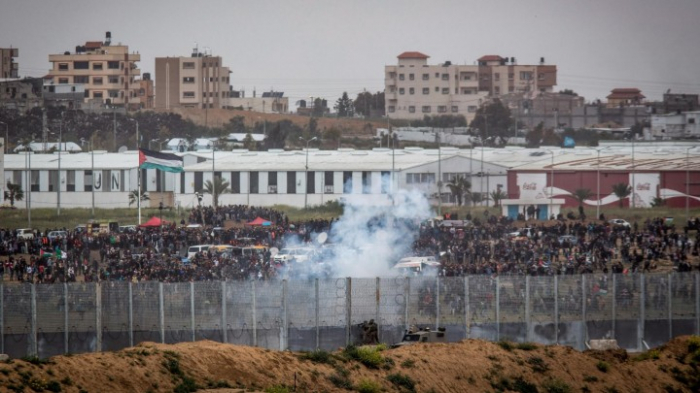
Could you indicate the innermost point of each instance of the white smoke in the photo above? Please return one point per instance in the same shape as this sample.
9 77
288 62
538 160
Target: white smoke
368 240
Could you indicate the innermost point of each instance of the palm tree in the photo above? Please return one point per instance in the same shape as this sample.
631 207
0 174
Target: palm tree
459 187
134 196
582 194
218 187
497 196
14 193
622 191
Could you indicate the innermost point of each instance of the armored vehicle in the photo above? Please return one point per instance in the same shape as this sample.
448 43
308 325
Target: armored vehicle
424 335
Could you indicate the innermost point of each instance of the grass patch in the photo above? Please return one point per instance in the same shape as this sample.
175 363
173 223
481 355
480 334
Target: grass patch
602 366
318 356
37 361
402 381
277 389
538 364
341 378
368 386
590 378
506 345
555 385
653 354
370 356
527 346
408 363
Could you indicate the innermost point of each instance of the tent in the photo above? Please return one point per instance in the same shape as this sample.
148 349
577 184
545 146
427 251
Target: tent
259 222
153 222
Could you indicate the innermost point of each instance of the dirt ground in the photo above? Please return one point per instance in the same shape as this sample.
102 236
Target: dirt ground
467 366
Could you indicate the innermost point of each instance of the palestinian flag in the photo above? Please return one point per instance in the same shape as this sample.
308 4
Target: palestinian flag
149 159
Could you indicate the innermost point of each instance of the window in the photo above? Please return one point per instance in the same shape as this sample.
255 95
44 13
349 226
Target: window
497 76
442 108
445 90
70 181
254 182
87 181
526 75
392 109
62 81
386 181
235 182
187 94
198 181
455 109
402 91
113 65
411 77
291 182
366 182
113 79
97 66
81 65
510 76
471 108
426 77
445 77
272 182
63 66
411 91
113 93
81 79
97 94
426 90
328 186
411 109
310 182
53 181
188 65
437 74
425 108
437 89
540 76
691 120
97 80
496 90
347 182
188 79
402 77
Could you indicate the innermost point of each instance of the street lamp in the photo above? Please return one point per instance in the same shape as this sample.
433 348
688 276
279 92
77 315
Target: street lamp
551 186
7 137
138 144
598 199
687 182
306 173
439 182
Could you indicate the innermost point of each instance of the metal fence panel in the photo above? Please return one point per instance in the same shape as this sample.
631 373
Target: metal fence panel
392 309
302 312
115 315
239 312
207 310
542 310
511 308
452 307
482 308
146 310
627 310
332 313
683 310
17 316
82 312
599 306
269 314
422 300
50 319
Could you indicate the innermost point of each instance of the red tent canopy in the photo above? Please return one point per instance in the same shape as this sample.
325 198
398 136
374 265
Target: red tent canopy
153 222
259 221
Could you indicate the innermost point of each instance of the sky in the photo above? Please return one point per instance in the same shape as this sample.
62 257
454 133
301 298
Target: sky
309 48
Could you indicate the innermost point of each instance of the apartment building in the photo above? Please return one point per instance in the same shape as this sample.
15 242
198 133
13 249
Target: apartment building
108 72
414 89
8 67
198 81
502 75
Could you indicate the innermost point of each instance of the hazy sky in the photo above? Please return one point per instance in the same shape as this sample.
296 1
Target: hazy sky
322 48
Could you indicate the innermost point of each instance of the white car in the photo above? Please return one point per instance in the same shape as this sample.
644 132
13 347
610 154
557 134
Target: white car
25 234
619 222
293 254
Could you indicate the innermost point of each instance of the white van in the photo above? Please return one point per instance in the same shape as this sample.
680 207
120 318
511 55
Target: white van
193 250
25 234
416 265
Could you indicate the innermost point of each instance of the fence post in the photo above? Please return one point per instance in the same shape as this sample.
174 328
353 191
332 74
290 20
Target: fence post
284 333
584 323
528 316
161 312
33 350
192 318
255 317
556 310
316 311
466 308
406 297
498 308
670 307
65 318
348 310
131 314
437 302
697 303
642 317
223 312
614 306
2 316
98 317
378 295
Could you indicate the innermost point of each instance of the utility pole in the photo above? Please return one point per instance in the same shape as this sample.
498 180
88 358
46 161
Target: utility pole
114 127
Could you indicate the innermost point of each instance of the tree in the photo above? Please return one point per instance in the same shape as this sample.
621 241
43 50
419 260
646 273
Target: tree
249 142
134 195
497 196
581 194
534 137
344 106
14 193
216 188
492 120
366 102
621 191
460 188
568 92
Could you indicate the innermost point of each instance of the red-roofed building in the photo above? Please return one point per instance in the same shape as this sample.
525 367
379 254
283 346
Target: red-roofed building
413 55
625 96
490 60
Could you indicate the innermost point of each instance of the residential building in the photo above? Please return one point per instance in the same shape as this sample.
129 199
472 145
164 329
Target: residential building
69 96
414 89
146 92
625 97
501 75
109 72
20 94
198 81
676 125
270 102
8 67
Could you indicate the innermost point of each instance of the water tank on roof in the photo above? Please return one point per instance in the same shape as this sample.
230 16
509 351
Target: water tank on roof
147 76
66 53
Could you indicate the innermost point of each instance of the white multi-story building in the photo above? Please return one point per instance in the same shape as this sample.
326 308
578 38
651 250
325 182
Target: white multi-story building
414 89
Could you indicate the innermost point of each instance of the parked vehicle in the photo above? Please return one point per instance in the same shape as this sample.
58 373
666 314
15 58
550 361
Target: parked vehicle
193 250
416 265
25 234
619 222
54 235
425 335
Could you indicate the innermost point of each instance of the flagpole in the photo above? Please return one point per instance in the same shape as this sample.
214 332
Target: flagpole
138 197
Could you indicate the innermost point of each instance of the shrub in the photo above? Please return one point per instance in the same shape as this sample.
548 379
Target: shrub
367 355
402 381
408 363
277 389
368 386
53 386
603 366
590 378
506 345
653 354
538 364
555 385
527 346
318 356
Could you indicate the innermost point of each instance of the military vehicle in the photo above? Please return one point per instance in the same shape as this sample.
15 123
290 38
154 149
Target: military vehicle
424 335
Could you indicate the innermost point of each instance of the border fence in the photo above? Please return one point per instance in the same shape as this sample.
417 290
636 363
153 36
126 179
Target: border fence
638 310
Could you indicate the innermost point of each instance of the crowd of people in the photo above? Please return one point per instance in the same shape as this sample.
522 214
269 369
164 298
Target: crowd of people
482 246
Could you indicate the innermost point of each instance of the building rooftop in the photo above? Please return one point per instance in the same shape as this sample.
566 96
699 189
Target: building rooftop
413 55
